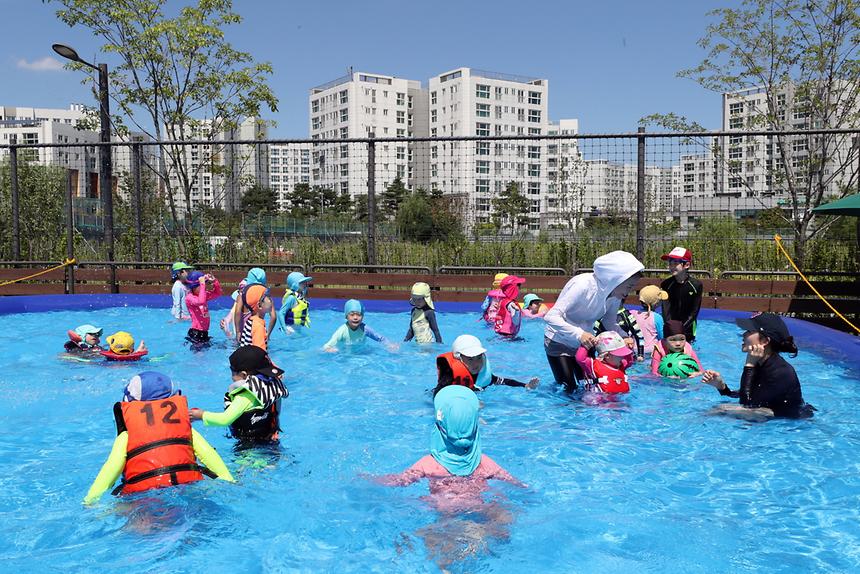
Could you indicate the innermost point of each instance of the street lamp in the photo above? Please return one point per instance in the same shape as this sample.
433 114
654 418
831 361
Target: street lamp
105 159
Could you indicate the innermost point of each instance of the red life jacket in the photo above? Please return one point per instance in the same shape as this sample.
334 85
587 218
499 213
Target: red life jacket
159 451
462 376
610 379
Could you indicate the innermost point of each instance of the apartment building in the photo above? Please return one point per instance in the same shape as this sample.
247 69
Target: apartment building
218 173
289 164
471 102
361 105
753 165
30 126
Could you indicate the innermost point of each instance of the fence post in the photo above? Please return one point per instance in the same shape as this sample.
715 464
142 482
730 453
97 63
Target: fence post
138 198
371 201
640 196
70 234
16 229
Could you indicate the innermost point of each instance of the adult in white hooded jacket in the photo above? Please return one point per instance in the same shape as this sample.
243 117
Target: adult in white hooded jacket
585 299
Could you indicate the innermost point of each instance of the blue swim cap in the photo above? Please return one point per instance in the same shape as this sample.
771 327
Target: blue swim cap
353 306
149 386
256 276
295 280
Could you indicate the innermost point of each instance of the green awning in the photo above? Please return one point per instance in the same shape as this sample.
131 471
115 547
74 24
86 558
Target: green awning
848 205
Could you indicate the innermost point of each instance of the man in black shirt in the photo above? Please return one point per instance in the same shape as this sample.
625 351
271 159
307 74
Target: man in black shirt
685 293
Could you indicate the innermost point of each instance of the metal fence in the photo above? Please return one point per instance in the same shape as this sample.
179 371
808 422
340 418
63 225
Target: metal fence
537 201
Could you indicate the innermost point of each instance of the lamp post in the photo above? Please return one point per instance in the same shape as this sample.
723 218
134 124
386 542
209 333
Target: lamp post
105 159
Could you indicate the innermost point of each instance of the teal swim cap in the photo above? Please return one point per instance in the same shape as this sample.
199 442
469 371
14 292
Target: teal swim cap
353 306
677 365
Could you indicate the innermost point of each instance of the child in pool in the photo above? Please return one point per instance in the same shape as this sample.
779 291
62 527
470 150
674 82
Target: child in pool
252 403
649 319
468 365
197 299
606 372
122 343
533 307
242 310
153 418
674 341
354 331
294 306
458 473
494 297
509 317
84 340
422 322
179 275
254 328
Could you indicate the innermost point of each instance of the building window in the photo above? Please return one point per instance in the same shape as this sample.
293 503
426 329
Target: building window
482 148
498 93
433 98
482 166
401 117
736 108
344 115
482 129
344 96
736 123
534 98
482 186
534 152
482 110
533 188
315 106
534 116
401 98
534 170
482 91
401 152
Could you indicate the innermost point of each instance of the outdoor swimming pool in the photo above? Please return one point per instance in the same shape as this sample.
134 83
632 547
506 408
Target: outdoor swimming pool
652 484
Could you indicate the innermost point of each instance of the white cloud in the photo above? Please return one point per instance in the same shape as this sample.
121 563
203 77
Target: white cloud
46 64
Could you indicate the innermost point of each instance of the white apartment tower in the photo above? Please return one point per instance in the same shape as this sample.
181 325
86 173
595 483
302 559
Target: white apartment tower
470 102
289 164
361 105
219 173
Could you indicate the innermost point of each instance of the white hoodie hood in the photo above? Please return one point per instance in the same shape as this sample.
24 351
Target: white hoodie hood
584 299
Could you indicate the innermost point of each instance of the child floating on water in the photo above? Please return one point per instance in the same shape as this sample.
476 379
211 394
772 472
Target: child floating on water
354 331
84 340
422 322
179 275
606 373
494 297
155 445
674 341
649 319
295 306
533 307
198 305
121 348
467 365
509 317
252 403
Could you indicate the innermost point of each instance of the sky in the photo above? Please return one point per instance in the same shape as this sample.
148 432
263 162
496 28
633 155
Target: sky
608 63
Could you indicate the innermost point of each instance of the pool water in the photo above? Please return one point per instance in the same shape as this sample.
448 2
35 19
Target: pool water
653 483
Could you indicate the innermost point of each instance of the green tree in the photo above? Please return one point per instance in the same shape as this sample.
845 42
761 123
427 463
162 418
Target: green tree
173 71
803 57
41 207
510 208
259 200
425 218
303 202
391 199
359 209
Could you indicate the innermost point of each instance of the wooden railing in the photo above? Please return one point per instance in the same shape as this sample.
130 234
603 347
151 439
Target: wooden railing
767 293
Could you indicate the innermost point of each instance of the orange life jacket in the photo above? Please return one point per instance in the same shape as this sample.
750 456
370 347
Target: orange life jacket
462 376
159 451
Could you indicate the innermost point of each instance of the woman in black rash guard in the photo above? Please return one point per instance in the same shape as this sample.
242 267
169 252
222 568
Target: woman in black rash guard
769 385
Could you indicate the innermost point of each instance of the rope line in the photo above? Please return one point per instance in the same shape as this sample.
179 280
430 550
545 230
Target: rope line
778 239
65 262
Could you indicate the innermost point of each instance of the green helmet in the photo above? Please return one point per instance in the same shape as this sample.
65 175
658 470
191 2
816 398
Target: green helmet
677 365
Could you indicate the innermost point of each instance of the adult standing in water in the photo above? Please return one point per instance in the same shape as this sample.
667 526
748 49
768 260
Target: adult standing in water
586 298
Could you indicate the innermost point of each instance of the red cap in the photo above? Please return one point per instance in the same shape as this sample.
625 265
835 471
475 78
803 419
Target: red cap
678 253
